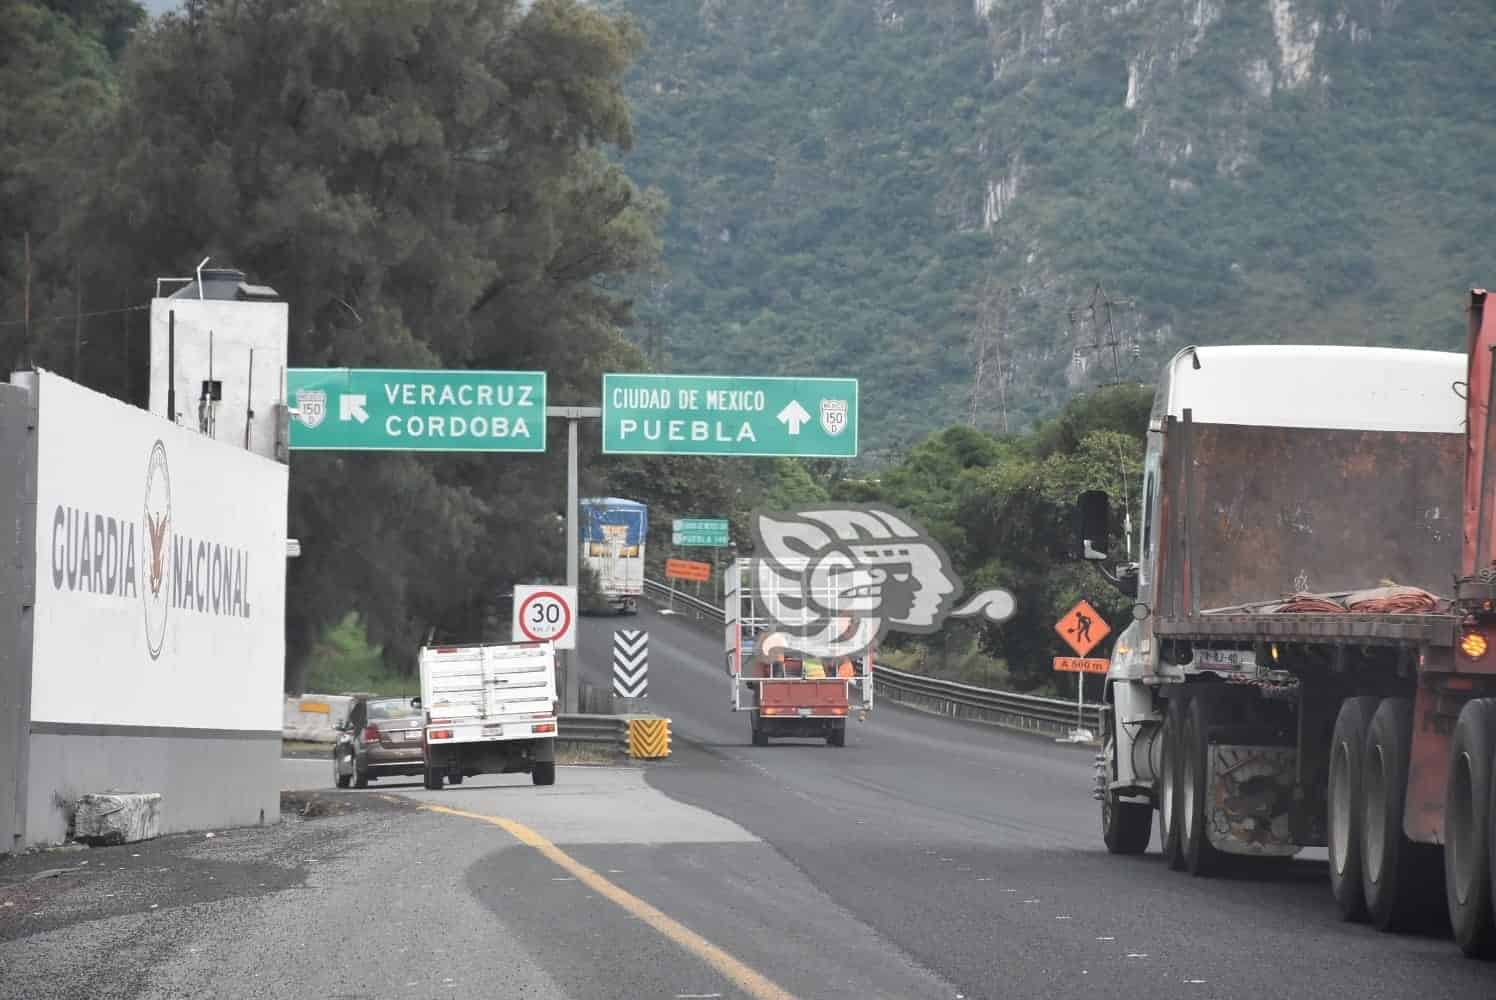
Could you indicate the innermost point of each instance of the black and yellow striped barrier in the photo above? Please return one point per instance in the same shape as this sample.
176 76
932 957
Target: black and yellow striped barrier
649 738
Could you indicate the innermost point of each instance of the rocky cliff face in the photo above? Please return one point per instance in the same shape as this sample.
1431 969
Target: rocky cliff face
982 206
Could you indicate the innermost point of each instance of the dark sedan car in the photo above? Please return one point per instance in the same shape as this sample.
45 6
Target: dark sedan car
382 737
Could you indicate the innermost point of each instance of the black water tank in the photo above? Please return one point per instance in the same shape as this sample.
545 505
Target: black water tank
225 283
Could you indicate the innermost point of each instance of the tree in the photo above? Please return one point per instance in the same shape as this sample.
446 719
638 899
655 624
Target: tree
57 78
425 183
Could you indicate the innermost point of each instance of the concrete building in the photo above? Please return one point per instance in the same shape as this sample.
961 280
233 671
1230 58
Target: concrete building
142 577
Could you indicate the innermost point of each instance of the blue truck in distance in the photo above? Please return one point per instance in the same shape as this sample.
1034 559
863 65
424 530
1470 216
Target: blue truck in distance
613 534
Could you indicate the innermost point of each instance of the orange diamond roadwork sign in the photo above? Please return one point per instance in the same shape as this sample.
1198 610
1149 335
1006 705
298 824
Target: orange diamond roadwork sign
1082 628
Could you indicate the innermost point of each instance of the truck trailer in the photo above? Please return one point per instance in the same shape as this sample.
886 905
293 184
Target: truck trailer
1309 662
614 531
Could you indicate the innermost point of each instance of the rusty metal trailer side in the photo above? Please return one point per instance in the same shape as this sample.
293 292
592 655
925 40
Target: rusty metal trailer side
1349 629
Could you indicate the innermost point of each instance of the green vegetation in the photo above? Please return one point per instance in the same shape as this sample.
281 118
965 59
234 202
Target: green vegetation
833 187
424 181
829 164
344 660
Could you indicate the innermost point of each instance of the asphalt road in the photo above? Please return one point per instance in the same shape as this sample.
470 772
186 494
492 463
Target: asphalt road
976 854
925 858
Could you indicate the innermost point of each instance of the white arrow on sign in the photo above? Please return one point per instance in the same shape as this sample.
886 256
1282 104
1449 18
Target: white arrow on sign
793 416
351 407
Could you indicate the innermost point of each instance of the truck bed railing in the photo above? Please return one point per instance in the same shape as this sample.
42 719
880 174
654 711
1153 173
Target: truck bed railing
952 699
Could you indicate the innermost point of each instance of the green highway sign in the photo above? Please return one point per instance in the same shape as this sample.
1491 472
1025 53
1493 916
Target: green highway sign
379 409
700 539
699 524
729 415
706 532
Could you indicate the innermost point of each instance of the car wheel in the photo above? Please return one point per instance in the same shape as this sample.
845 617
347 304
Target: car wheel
544 774
360 775
339 778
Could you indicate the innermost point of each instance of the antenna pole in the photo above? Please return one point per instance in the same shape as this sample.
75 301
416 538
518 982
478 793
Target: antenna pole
77 323
171 366
249 406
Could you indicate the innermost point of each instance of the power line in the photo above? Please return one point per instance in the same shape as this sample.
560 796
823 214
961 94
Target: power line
73 316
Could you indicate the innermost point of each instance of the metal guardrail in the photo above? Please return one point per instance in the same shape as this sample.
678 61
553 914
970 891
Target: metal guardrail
1055 716
611 730
633 735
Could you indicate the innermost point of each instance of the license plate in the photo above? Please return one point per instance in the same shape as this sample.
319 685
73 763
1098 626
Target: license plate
412 735
805 711
493 730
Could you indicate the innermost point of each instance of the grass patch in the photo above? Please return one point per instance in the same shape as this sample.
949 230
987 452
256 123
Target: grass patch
586 753
304 747
344 660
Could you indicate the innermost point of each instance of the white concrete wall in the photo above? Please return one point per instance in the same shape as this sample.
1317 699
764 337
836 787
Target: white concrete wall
159 623
241 335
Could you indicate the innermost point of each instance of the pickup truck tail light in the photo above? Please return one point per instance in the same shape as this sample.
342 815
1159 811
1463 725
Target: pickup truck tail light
543 727
441 734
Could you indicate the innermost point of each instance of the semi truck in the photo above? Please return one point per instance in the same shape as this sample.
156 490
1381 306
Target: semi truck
489 709
1309 659
781 696
614 531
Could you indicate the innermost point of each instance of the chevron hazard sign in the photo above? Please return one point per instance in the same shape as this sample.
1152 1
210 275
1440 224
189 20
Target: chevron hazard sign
631 663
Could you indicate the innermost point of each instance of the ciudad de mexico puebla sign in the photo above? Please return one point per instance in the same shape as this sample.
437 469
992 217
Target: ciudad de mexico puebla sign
729 415
375 409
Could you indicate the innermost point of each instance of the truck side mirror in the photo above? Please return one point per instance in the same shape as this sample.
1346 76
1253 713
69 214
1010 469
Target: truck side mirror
415 703
1095 512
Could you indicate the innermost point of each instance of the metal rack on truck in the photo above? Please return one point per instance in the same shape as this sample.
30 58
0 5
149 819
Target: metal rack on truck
779 697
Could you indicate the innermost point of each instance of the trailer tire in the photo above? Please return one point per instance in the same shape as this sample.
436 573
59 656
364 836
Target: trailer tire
1395 871
1343 808
1200 856
1168 798
1467 829
543 773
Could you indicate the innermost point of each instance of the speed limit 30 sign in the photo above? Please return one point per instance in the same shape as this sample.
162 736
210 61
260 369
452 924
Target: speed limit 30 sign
546 614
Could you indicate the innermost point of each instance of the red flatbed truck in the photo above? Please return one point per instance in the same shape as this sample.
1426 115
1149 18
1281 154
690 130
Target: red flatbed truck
1262 701
782 701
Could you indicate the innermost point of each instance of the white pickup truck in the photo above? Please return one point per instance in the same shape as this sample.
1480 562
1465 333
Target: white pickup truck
489 710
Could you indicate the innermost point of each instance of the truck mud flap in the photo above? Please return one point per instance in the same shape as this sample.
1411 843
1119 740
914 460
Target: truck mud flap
1251 800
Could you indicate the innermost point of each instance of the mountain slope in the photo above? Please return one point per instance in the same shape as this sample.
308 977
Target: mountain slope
897 190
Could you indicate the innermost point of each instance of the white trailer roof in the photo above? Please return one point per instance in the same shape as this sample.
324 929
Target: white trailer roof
1335 388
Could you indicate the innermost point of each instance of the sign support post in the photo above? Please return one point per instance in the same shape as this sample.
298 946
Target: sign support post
573 415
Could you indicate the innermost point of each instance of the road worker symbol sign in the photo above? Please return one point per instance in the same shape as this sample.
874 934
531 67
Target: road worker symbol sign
1082 628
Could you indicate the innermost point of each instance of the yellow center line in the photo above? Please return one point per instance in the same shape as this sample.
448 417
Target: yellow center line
740 975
